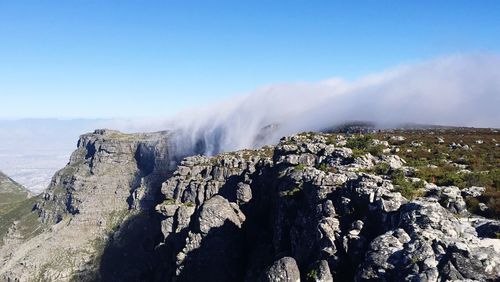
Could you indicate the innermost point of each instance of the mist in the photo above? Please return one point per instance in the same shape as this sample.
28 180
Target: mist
460 90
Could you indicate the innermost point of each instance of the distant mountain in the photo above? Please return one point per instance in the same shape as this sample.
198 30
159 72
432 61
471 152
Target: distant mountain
11 191
32 150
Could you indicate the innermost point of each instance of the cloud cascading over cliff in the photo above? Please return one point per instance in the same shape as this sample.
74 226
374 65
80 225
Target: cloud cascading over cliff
460 90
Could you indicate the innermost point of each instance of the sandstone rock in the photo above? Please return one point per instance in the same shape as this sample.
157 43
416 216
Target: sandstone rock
215 212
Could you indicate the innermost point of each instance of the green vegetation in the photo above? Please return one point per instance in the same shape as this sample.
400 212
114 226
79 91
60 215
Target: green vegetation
408 189
299 167
10 192
363 144
27 223
312 275
324 167
381 168
291 193
465 164
169 202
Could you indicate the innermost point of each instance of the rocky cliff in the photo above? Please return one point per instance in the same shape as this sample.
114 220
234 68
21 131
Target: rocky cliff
315 207
312 209
110 177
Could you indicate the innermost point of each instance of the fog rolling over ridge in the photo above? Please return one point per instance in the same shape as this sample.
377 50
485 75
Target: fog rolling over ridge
461 90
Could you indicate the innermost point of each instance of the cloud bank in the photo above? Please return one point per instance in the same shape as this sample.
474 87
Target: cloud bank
461 90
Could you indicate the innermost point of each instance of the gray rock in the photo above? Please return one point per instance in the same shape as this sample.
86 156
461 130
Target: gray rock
307 159
394 161
324 274
283 270
243 192
215 212
109 176
398 138
473 191
482 207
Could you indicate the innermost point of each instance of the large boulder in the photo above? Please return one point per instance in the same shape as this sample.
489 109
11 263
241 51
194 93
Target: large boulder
283 270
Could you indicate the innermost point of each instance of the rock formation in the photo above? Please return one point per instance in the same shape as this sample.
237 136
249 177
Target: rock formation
110 177
306 209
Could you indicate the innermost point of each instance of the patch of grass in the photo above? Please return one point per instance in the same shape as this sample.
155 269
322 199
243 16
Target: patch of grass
358 153
381 168
407 188
324 167
27 221
169 202
482 159
299 167
312 275
472 205
361 142
291 193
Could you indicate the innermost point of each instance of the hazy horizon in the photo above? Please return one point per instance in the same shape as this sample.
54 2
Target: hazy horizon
221 71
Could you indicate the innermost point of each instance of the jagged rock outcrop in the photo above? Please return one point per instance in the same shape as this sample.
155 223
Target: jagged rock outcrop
110 177
427 243
309 209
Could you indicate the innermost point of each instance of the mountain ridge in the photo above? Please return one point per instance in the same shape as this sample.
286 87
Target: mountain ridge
314 207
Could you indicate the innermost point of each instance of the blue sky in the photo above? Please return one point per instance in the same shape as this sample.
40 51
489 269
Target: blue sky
104 59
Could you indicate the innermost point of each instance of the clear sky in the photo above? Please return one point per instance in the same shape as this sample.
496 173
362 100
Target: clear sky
102 59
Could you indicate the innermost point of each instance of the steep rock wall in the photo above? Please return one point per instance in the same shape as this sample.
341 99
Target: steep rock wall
308 209
110 177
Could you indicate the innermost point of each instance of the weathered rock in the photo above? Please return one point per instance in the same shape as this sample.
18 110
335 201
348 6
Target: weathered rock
244 192
436 246
109 176
216 212
323 272
394 161
473 191
450 198
229 217
283 270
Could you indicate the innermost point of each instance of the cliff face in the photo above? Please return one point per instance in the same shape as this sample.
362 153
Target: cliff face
110 177
315 207
311 209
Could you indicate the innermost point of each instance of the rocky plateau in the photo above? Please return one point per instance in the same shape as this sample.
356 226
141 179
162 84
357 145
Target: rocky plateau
314 207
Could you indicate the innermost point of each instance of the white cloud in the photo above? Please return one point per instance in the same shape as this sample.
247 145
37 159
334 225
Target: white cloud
462 90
